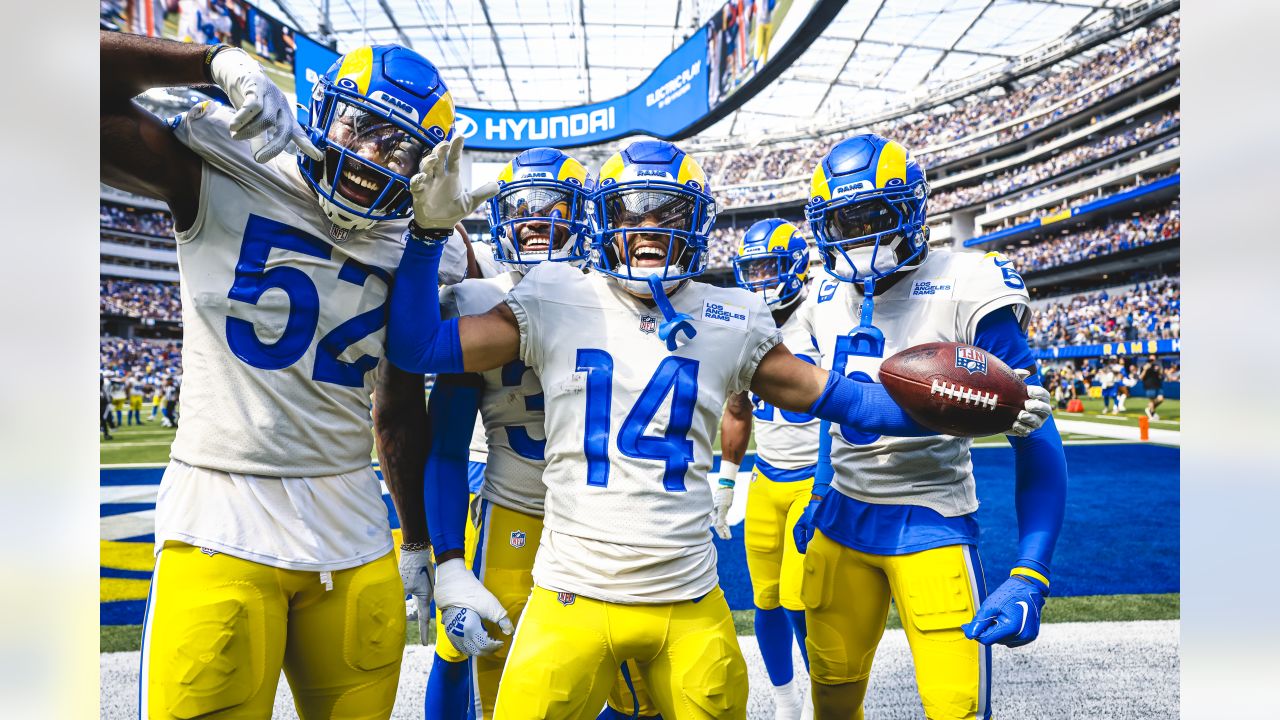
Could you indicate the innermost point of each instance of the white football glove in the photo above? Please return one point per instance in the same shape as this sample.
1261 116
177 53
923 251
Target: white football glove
264 116
723 498
464 602
417 572
439 200
1036 410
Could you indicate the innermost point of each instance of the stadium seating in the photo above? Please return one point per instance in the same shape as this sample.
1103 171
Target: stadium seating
1147 311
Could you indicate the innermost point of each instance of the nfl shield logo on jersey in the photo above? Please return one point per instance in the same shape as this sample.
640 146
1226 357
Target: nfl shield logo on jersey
648 324
517 538
971 359
566 598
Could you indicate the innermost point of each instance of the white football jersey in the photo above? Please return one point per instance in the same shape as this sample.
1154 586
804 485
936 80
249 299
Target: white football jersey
510 407
941 301
784 439
629 428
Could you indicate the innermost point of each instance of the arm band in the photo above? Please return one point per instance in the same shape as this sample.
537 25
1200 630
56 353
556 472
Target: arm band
451 414
824 472
417 341
865 406
1040 462
728 473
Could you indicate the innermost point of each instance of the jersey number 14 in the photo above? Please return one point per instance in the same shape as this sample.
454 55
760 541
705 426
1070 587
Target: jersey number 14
675 376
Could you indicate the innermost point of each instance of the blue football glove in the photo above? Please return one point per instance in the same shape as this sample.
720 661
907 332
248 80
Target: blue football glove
1010 615
802 532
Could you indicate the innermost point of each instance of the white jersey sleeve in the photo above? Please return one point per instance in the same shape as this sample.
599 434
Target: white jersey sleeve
990 283
629 428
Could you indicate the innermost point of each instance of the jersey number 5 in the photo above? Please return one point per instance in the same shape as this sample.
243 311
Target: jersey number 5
253 280
675 376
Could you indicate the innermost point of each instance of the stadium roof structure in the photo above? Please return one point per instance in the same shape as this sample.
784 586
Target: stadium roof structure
544 54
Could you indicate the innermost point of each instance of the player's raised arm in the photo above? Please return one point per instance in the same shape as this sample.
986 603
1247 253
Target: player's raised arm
139 152
417 341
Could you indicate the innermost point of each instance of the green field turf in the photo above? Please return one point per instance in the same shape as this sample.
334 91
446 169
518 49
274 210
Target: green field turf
149 443
1093 608
1169 412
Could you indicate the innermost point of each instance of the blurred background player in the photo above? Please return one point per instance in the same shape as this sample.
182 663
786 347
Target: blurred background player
133 391
274 549
1152 375
898 520
773 262
119 397
626 569
104 406
1109 383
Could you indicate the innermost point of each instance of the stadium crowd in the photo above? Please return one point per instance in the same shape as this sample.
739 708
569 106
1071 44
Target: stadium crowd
748 175
1025 175
146 222
140 299
131 356
1147 228
1149 311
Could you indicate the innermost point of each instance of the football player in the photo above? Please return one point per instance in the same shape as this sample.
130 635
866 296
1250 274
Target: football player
272 540
635 360
539 215
898 520
773 262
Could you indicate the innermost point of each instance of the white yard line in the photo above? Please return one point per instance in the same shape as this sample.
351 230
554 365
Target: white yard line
1158 435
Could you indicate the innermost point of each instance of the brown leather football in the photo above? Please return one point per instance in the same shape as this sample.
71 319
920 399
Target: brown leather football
955 388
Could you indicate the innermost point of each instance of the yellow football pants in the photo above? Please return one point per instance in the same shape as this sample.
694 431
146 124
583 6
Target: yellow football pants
775 565
568 648
846 598
501 545
219 629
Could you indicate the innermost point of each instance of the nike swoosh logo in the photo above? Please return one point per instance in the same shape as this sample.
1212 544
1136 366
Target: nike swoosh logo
1023 605
1001 264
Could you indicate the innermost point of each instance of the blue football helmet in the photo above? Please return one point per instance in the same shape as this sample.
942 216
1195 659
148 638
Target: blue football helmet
375 114
773 261
653 215
867 209
540 212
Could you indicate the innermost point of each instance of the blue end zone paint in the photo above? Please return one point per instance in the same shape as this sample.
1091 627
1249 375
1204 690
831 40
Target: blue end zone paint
122 612
107 572
109 509
130 476
1120 535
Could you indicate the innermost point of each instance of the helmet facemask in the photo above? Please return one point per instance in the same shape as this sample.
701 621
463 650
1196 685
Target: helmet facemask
868 236
538 220
651 230
777 278
370 152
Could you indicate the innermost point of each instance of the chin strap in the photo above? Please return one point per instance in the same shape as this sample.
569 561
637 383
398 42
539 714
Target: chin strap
674 322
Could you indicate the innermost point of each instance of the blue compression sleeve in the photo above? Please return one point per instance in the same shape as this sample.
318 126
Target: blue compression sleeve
1040 462
417 341
824 472
451 414
865 406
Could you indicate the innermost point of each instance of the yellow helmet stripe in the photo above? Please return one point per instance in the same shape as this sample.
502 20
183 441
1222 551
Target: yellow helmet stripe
572 169
358 66
781 236
506 174
690 170
612 168
892 164
819 187
440 114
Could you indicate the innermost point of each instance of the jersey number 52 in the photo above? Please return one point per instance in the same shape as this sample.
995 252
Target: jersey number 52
253 280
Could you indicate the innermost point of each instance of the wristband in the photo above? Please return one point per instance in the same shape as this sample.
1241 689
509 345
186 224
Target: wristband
414 546
728 473
427 236
209 55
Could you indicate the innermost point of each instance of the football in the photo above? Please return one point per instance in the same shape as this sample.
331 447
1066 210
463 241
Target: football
954 388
